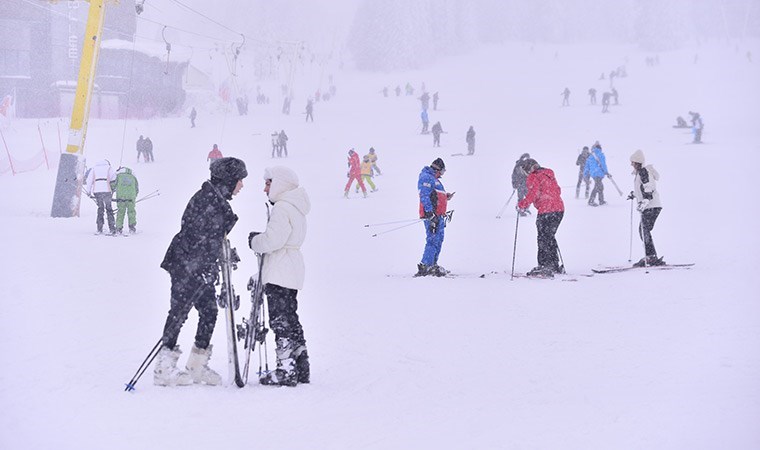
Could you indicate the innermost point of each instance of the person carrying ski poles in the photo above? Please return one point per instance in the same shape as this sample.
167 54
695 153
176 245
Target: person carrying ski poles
283 273
433 202
648 204
545 194
192 263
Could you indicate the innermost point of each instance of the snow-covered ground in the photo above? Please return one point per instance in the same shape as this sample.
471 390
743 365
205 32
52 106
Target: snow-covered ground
626 361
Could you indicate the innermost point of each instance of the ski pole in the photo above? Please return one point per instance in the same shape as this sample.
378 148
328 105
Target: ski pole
615 184
630 244
503 208
389 223
398 228
144 365
514 249
561 261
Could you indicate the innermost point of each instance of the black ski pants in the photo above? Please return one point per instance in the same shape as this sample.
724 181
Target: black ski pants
548 252
648 218
283 314
187 292
598 190
103 200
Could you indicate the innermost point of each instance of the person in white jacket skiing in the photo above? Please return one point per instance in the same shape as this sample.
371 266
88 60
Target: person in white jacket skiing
283 273
99 182
648 204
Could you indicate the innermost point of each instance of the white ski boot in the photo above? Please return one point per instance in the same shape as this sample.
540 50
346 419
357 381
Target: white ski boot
285 374
197 366
166 373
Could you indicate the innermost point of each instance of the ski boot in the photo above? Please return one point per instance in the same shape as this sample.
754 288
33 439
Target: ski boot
302 364
166 372
285 373
541 272
197 366
438 271
422 270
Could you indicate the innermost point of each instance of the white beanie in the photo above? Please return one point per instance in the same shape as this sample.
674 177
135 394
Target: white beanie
638 157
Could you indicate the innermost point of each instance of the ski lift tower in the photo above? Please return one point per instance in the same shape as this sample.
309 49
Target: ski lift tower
68 185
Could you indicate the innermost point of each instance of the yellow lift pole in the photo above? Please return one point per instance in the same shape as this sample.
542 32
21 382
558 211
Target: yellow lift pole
68 185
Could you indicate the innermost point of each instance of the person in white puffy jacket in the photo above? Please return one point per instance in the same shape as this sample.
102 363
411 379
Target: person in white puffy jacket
648 204
283 273
99 182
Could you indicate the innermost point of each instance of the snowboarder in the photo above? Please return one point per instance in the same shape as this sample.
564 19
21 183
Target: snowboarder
373 159
592 96
126 188
140 146
425 121
545 194
519 178
470 139
648 204
99 183
433 204
582 177
310 110
366 168
424 101
565 97
192 262
606 102
283 273
596 168
214 154
437 131
282 140
354 173
193 115
148 150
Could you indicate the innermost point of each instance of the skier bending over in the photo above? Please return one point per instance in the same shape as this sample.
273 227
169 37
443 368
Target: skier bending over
648 204
283 273
433 203
544 193
192 263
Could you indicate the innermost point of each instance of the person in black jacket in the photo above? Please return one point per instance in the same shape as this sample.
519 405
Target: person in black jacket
581 163
192 263
519 179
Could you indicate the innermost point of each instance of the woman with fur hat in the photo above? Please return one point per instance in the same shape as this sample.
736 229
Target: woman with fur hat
283 273
192 263
648 204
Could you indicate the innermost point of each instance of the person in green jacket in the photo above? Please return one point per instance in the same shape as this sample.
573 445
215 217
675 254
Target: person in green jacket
126 188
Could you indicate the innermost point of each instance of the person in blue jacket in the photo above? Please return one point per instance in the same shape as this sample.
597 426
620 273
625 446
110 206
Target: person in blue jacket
433 203
425 121
596 168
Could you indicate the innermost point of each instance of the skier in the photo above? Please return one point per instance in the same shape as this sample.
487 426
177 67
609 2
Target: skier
596 168
437 131
193 115
648 204
592 96
373 159
276 144
565 97
615 95
366 168
282 140
140 148
214 154
582 177
435 101
698 125
606 102
354 173
398 91
425 101
192 263
409 89
283 273
519 178
126 188
433 203
286 105
470 139
148 151
99 184
425 121
680 123
544 194
310 110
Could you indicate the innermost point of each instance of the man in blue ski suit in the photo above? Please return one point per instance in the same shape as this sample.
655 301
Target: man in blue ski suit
596 168
433 203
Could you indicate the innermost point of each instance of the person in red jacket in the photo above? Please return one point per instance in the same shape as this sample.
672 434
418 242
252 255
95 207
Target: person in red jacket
354 173
544 194
214 154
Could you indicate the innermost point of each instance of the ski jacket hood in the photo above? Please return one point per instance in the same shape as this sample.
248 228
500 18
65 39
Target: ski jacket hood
284 187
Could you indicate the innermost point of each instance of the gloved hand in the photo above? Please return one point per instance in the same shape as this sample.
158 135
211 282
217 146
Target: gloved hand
642 205
631 196
609 176
428 215
252 235
433 224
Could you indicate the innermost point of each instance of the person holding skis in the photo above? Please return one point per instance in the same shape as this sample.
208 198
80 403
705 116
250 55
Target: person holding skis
354 173
433 203
214 154
582 177
283 273
192 261
519 178
99 182
648 204
470 139
126 188
545 194
596 168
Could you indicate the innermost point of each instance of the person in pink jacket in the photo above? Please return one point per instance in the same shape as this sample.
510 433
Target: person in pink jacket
354 173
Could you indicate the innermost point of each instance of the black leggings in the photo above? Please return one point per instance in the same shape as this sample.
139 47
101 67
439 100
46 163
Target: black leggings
648 218
548 251
283 315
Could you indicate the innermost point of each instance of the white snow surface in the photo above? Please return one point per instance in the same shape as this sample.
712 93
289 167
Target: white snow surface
660 360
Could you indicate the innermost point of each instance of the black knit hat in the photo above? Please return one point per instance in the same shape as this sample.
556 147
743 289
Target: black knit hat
438 165
228 169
